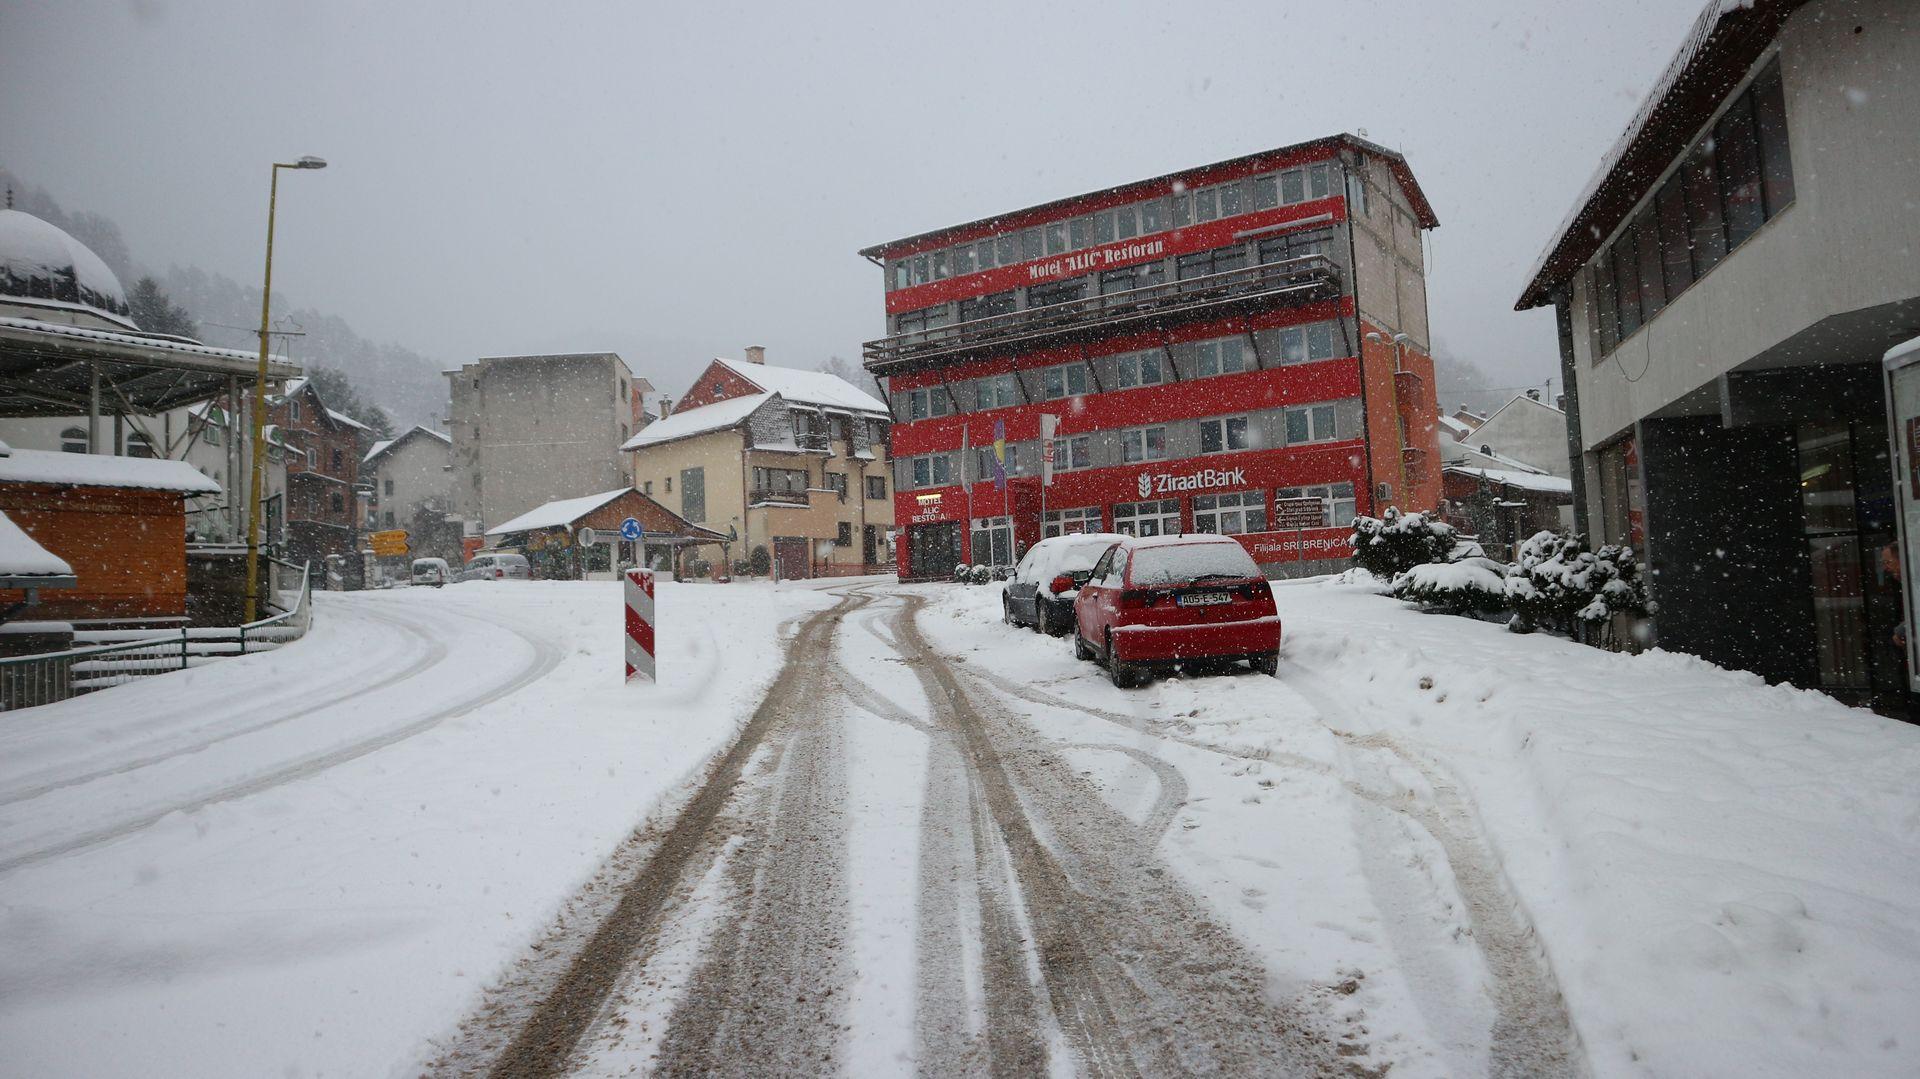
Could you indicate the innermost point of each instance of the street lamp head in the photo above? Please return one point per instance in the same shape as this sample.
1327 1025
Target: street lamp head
1401 338
310 162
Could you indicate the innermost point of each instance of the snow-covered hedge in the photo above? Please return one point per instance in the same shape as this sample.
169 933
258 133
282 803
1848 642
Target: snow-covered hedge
1558 584
1473 585
1395 542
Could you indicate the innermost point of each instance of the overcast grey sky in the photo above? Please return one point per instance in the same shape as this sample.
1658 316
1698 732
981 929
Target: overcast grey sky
679 180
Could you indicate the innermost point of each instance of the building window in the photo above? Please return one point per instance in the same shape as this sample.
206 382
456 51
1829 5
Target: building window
647 488
1128 278
1224 434
926 318
1221 356
928 402
1734 180
876 487
693 494
1072 453
1303 344
139 445
836 482
387 516
775 482
998 303
339 503
1328 505
998 391
993 541
1314 423
1143 444
1158 518
1230 514
73 440
1066 380
293 411
1046 295
339 461
386 487
1133 369
1073 521
313 458
983 462
1218 260
1296 245
935 470
844 537
210 434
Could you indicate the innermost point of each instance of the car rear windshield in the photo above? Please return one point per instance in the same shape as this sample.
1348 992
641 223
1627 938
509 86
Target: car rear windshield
1187 561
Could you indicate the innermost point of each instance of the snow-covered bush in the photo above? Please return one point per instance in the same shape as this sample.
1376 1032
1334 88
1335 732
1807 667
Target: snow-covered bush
742 567
962 573
981 574
1395 542
760 562
1473 585
1558 584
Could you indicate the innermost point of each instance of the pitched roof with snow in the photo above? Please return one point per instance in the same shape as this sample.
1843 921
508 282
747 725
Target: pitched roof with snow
697 421
102 470
386 444
557 513
1526 481
343 418
805 387
20 556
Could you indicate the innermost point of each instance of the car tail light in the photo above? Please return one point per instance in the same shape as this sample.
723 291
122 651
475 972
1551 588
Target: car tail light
499 574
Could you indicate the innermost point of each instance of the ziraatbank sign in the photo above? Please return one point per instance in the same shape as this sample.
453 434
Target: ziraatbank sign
1166 483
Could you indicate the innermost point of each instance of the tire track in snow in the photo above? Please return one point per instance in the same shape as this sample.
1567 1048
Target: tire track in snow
1533 1034
436 653
545 658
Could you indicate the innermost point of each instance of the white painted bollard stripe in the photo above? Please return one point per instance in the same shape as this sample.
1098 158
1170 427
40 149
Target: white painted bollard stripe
639 590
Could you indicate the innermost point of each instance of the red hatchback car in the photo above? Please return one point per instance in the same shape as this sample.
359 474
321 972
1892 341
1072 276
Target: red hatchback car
1165 601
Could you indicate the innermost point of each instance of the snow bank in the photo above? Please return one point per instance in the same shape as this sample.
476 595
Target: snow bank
335 920
1720 876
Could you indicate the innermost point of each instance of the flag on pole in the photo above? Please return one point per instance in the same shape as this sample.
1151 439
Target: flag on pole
1048 423
1000 454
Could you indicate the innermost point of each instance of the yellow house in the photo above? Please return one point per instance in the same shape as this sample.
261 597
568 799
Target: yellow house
794 463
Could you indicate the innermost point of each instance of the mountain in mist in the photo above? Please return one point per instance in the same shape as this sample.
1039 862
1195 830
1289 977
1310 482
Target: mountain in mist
406 384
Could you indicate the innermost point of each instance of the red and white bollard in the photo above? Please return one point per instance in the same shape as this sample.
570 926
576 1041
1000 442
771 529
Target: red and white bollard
640 623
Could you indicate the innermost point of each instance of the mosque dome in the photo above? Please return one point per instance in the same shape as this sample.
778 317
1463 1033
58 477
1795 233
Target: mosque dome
42 266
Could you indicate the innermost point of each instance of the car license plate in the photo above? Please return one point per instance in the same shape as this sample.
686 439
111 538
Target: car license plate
1203 599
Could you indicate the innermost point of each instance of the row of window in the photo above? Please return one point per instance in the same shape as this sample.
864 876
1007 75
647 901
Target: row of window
1130 370
1235 513
1732 181
1273 249
1266 191
1216 434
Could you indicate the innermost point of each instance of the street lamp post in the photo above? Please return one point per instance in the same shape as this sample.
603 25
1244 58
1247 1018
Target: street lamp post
258 476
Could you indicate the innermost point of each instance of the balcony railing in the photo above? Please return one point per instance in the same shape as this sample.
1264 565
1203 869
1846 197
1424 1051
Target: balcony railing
759 495
1298 280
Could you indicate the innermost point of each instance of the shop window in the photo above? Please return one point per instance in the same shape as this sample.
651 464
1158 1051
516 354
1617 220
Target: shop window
1225 434
1073 521
1157 518
1334 502
993 541
1230 514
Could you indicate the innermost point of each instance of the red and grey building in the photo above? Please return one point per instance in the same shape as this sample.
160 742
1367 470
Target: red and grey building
1239 348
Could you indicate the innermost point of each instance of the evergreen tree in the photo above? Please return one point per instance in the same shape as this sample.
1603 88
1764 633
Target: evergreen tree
154 312
341 395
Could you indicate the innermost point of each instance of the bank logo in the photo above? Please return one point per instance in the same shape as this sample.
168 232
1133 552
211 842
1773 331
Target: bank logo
1146 485
1165 483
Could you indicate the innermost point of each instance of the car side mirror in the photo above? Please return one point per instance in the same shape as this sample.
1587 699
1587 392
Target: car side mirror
1062 583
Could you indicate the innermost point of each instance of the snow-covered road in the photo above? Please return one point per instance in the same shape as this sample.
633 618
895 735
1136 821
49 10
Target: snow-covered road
940 845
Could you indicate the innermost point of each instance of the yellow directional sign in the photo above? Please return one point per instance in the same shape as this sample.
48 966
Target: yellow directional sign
390 543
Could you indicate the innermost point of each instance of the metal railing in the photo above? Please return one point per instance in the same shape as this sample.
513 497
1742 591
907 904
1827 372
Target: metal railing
107 658
1309 277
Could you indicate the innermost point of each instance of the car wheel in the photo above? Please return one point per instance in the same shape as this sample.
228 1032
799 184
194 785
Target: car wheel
1081 650
1006 611
1125 675
1041 622
1267 663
